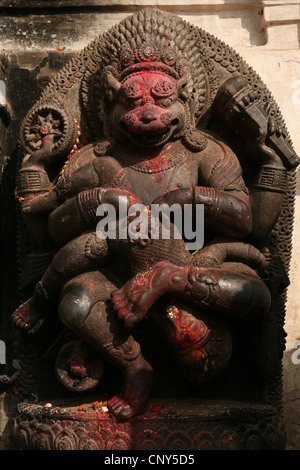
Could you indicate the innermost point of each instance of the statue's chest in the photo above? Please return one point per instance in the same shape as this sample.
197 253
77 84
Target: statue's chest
152 178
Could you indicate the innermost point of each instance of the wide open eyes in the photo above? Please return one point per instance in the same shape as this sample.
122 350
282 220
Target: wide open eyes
163 88
160 92
132 90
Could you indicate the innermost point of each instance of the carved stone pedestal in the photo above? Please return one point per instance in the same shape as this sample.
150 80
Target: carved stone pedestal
167 425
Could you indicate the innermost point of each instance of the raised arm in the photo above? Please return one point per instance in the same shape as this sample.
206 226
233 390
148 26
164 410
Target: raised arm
267 191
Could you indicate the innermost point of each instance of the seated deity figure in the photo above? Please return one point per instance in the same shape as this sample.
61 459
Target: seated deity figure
153 153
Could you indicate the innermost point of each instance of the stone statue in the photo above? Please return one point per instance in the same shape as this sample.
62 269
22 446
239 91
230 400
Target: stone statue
151 101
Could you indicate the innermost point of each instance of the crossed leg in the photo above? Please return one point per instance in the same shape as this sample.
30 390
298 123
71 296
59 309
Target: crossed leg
224 290
86 309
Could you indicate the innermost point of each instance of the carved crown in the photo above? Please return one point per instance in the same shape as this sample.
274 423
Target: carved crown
149 56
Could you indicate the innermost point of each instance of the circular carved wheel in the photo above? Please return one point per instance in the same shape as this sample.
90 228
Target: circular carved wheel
49 118
70 354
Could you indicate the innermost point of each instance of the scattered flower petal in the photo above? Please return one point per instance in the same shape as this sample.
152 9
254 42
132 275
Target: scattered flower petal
157 408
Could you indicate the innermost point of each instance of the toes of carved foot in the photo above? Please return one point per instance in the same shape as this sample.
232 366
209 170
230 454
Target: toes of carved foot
125 412
17 314
120 409
120 305
113 402
116 295
118 302
19 322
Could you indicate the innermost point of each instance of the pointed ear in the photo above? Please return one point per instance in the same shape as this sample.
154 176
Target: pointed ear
112 85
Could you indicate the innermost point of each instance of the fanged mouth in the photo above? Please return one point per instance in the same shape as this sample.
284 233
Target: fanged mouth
152 138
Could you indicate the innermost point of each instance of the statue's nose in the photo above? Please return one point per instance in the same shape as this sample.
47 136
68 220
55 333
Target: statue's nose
148 116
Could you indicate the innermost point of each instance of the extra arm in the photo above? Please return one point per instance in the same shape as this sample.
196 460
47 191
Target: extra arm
69 183
267 192
32 178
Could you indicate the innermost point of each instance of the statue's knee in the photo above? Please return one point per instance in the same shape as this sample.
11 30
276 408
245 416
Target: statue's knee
74 307
257 298
70 257
261 297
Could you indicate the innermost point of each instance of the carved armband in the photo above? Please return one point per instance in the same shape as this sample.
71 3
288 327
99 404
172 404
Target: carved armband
88 202
32 181
122 350
40 293
272 179
209 197
204 288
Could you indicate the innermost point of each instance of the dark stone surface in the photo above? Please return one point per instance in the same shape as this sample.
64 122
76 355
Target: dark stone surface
27 73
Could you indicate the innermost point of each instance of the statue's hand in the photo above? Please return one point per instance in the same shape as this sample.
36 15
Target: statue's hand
275 128
176 196
40 158
41 203
265 154
112 196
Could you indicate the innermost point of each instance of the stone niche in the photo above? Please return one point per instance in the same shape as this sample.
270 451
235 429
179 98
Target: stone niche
242 407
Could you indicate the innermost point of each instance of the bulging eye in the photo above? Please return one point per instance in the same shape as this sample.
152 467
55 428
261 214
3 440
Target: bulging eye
163 88
132 90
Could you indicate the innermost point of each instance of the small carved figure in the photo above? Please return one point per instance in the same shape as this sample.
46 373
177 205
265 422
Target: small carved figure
152 154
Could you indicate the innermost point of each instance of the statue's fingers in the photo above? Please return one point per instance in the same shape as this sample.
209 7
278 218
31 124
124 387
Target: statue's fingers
113 401
271 126
279 131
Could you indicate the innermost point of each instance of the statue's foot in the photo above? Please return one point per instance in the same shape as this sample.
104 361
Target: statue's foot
77 362
76 367
28 317
133 399
139 294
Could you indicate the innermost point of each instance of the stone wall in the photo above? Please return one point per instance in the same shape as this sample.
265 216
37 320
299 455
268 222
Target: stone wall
266 33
